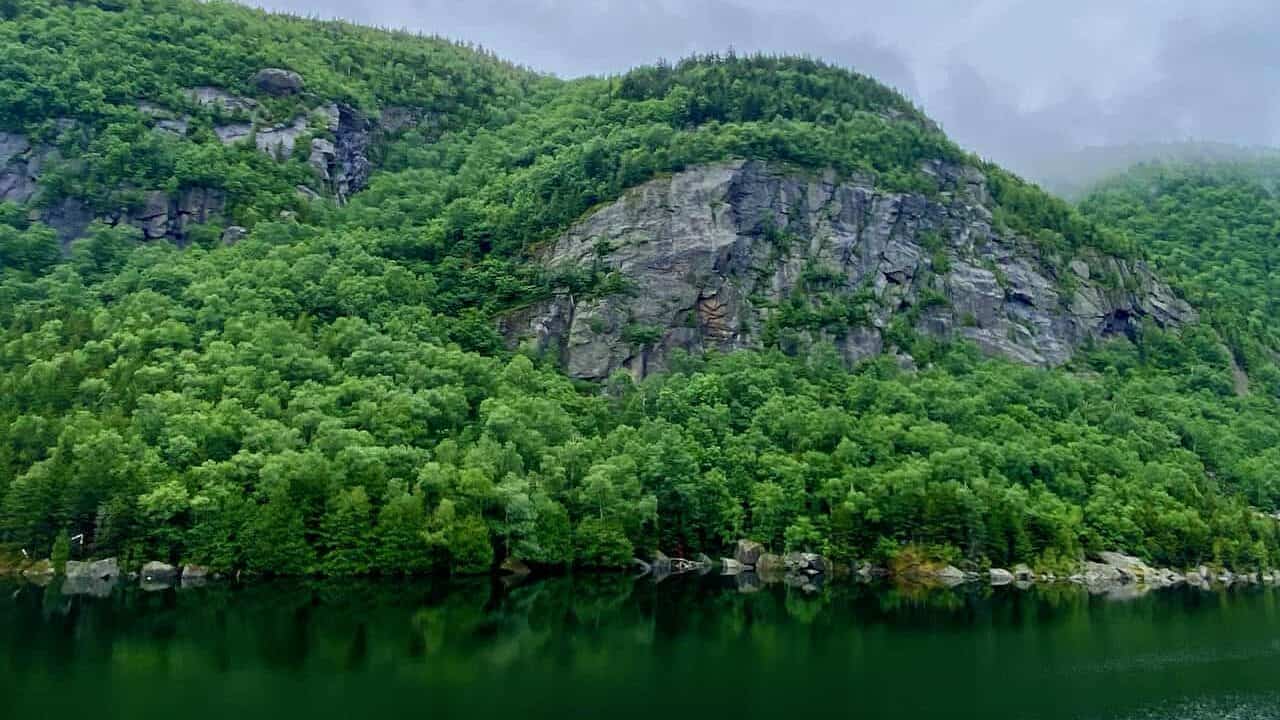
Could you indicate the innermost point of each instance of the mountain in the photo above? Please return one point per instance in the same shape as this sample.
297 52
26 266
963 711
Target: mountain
1211 227
477 313
1073 174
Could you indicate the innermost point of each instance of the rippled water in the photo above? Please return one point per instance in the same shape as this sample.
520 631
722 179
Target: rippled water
610 646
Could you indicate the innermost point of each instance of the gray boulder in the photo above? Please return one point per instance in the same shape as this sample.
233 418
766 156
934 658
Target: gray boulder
322 157
233 133
748 553
513 566
234 234
1023 573
1132 569
158 572
1099 577
705 563
221 99
661 564
807 563
952 576
96 570
278 81
770 567
730 566
1000 576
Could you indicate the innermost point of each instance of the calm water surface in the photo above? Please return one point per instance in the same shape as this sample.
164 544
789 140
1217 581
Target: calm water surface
610 647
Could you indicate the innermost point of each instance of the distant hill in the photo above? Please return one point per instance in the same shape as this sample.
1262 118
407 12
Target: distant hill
1072 174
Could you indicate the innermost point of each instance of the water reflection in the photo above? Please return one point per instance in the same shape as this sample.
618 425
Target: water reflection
592 641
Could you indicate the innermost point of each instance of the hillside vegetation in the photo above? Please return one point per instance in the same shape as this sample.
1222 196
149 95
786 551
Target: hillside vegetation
329 394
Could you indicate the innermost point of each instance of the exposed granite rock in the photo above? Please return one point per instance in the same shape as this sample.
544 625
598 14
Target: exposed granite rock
233 133
806 563
748 553
710 251
323 154
771 568
952 576
162 216
195 575
1000 576
164 119
97 569
277 81
159 573
95 579
223 100
278 140
20 167
69 218
350 166
1099 577
234 234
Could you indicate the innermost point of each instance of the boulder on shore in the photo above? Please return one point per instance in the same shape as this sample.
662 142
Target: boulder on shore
769 565
705 564
1023 573
1099 577
748 553
807 563
95 570
159 573
729 566
1000 576
195 573
951 576
514 566
661 564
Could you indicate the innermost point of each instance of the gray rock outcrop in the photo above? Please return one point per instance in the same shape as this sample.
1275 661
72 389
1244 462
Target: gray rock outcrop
96 569
162 216
278 81
221 99
710 253
159 573
19 168
1000 576
952 576
748 553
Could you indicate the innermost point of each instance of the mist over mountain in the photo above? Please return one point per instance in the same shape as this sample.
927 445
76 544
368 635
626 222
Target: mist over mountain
1023 83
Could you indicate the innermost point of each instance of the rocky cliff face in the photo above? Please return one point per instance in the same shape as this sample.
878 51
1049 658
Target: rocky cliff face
341 165
746 254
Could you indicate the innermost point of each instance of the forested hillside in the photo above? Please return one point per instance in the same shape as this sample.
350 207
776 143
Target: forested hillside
1213 229
326 390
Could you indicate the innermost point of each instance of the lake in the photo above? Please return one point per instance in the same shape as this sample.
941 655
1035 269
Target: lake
604 646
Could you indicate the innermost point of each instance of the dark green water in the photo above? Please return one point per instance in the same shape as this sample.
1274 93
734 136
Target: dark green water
610 647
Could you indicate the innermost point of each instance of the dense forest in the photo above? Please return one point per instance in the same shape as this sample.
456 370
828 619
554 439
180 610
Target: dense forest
330 394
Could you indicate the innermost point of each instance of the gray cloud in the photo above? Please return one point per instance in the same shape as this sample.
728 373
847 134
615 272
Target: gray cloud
1019 81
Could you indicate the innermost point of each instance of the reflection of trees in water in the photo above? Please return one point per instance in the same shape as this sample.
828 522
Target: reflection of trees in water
459 632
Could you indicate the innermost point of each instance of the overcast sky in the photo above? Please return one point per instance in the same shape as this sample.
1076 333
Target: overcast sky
1016 80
